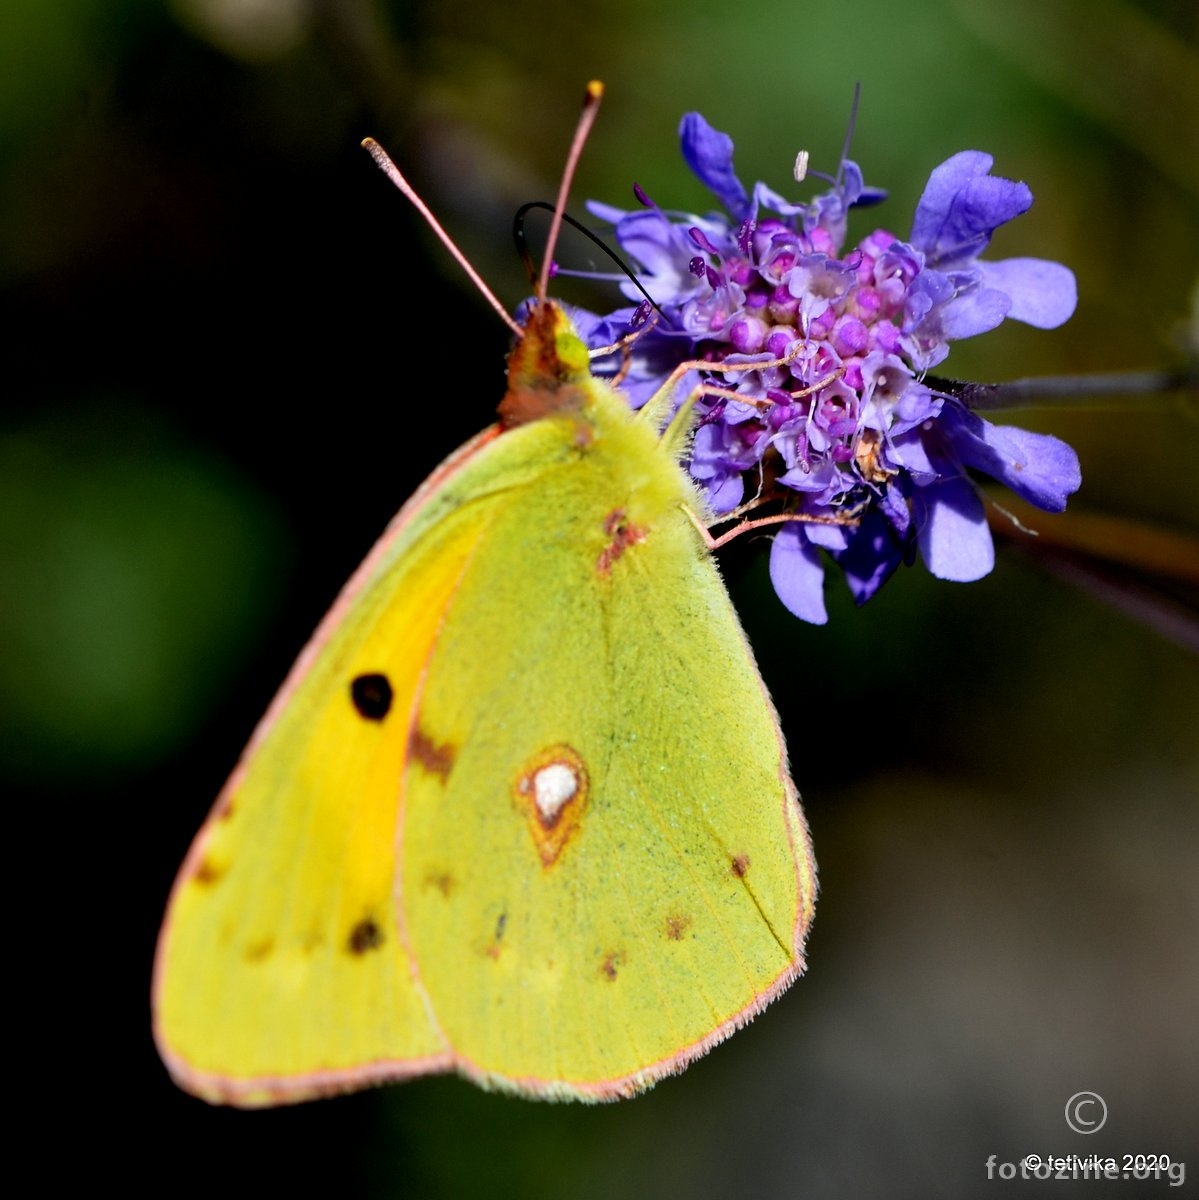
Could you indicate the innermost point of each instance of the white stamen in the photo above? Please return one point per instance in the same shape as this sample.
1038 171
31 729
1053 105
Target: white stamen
801 166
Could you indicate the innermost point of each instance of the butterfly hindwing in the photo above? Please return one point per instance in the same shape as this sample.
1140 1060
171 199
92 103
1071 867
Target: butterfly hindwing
589 948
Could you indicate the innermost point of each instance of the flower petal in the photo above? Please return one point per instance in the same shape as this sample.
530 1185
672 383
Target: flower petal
951 528
798 574
659 247
974 312
725 492
709 153
962 206
1037 466
828 537
606 212
871 557
1043 293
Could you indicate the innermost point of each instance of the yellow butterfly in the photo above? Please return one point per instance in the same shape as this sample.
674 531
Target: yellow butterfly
521 809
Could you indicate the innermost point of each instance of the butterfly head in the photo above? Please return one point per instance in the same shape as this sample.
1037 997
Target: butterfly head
547 369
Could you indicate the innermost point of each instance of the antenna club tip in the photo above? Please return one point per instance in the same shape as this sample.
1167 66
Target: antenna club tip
368 143
595 92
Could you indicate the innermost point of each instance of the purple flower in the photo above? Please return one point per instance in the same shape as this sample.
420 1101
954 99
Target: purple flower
956 295
838 430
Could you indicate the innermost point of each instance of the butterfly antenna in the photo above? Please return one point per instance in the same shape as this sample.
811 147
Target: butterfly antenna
393 173
591 103
522 248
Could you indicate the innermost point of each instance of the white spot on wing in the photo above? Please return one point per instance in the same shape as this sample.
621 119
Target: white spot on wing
553 786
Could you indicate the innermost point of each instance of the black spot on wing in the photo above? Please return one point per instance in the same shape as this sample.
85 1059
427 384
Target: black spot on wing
365 936
372 696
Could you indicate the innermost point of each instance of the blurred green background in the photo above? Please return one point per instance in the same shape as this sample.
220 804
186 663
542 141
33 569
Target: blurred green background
1002 778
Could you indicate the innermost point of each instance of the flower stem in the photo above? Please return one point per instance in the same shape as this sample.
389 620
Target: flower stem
1042 391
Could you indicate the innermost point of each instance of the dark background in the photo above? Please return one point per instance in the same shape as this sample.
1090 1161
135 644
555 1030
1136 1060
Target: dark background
1001 778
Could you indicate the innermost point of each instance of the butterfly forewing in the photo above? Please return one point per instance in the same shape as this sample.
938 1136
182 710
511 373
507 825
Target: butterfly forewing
280 971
